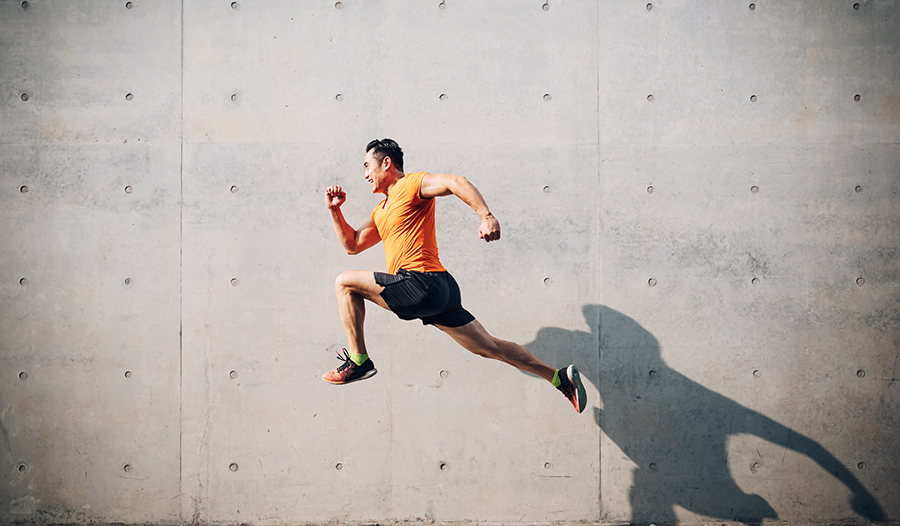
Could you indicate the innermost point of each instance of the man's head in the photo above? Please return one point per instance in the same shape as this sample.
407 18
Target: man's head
386 148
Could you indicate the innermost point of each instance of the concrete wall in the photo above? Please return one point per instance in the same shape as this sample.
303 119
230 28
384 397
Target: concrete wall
696 210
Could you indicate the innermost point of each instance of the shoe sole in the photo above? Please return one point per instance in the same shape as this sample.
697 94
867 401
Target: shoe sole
368 374
580 396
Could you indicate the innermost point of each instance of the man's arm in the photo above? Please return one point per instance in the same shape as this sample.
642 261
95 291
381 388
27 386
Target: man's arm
353 240
434 185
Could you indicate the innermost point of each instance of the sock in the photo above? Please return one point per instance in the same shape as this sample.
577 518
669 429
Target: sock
556 381
359 359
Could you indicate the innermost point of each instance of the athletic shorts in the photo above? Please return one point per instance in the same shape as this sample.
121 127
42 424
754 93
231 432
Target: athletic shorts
432 297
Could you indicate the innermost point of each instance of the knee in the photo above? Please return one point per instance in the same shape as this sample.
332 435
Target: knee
343 283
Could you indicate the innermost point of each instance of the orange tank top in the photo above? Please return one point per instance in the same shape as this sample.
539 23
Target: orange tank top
405 223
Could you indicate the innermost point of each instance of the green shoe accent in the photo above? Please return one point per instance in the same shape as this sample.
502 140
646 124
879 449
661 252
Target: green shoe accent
556 381
359 359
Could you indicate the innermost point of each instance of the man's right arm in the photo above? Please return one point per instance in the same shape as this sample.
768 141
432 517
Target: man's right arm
354 241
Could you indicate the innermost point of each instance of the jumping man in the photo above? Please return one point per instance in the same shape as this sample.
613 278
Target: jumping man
417 286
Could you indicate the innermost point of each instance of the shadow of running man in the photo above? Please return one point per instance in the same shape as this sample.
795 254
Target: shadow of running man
676 430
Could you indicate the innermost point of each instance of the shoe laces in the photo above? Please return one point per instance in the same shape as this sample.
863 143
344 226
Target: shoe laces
346 359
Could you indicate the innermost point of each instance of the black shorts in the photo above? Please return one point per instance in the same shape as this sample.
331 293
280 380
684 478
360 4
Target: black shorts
432 297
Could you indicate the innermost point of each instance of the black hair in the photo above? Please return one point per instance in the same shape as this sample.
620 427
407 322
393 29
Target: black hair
387 148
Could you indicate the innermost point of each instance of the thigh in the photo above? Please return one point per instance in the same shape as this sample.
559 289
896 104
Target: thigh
362 282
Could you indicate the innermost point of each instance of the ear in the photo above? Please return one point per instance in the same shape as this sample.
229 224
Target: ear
387 162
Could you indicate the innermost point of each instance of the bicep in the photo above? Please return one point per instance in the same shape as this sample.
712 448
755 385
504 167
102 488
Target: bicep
436 185
367 236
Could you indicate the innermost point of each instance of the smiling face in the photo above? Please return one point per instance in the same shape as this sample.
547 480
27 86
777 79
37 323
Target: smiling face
375 172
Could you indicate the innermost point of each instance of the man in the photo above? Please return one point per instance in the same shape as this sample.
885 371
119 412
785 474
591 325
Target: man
418 287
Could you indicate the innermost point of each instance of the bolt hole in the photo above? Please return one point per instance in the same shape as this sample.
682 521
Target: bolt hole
650 98
442 5
649 7
127 374
755 467
860 374
233 466
23 189
339 5
753 7
338 466
548 281
22 468
653 466
547 97
755 281
24 97
651 282
235 5
128 281
129 96
754 189
856 7
545 7
24 5
861 465
127 468
444 374
860 281
128 189
234 189
129 5
650 189
547 465
443 466
756 373
339 97
233 375
654 374
443 96
234 97
859 189
753 98
234 282
23 282
23 375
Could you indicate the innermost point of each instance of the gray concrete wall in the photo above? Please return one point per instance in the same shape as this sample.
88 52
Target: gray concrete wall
696 210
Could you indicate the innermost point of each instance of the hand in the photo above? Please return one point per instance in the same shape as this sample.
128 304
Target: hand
490 229
334 197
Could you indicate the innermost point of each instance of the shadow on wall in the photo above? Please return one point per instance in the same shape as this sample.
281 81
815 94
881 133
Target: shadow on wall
676 430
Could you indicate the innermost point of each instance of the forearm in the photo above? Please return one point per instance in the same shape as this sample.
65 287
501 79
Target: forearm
470 195
346 234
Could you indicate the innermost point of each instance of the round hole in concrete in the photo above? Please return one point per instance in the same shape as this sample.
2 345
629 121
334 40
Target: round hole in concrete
443 96
548 281
856 97
546 6
755 281
654 374
338 466
339 97
860 281
128 189
444 374
233 466
856 7
234 97
233 375
24 5
649 7
24 96
23 189
129 96
442 5
235 5
650 189
234 189
23 375
234 282
753 7
339 5
860 374
861 465
128 281
127 374
22 468
127 468
653 466
129 5
547 97
754 189
444 466
756 466
756 373
650 98
651 282
858 189
753 98
547 465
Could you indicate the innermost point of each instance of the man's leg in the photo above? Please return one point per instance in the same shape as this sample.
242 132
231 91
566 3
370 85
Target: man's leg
353 288
476 339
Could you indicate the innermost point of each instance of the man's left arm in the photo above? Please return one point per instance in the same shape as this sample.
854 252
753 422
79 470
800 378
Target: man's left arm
435 185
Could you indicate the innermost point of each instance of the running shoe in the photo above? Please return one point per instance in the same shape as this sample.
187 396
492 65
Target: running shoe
348 371
571 386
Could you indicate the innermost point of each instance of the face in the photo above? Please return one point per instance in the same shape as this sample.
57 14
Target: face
374 172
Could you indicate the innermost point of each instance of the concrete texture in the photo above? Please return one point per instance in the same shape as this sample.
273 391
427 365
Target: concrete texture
695 207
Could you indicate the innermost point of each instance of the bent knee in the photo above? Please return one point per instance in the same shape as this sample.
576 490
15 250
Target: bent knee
344 281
